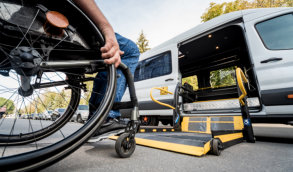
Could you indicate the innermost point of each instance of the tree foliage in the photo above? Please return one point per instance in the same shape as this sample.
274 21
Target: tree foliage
142 43
9 105
215 9
192 80
49 100
223 77
85 96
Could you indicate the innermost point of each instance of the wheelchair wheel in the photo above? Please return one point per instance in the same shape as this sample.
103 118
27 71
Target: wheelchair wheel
40 72
125 146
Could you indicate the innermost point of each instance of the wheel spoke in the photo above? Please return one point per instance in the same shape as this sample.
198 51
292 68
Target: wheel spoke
24 35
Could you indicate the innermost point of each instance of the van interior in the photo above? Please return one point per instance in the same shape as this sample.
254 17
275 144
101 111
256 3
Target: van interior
207 65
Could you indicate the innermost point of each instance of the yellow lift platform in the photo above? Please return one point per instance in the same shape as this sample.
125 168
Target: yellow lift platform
198 135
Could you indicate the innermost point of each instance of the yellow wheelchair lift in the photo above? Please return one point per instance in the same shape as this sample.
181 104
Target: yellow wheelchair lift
199 135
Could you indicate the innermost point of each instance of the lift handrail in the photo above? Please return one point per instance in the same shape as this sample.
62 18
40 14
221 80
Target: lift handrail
160 103
240 78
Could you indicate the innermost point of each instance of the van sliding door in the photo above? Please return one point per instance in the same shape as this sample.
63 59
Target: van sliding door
270 42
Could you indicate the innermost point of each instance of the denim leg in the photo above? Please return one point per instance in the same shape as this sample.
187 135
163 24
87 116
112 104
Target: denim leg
130 58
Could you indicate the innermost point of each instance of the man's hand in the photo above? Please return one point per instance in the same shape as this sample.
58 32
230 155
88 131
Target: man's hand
111 52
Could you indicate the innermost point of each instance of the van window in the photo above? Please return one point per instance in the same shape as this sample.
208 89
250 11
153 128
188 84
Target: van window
155 66
276 33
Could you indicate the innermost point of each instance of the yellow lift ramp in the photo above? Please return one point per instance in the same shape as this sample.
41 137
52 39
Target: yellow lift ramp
198 135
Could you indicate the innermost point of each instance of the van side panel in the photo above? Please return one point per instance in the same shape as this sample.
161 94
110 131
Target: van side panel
273 59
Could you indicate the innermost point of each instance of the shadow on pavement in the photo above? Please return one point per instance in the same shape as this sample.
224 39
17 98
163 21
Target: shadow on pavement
273 139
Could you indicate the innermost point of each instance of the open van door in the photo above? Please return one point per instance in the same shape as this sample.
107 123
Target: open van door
270 42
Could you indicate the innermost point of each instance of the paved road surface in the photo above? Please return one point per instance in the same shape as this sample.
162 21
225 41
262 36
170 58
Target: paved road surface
273 151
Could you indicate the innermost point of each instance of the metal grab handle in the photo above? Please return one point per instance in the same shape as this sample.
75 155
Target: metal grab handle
240 78
273 59
160 103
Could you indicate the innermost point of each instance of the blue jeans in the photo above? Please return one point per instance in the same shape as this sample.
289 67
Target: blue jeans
130 58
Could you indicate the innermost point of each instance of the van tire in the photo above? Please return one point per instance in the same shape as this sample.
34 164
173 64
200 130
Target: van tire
154 121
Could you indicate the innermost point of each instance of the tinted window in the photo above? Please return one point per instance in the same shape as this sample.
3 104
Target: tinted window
155 66
83 107
276 33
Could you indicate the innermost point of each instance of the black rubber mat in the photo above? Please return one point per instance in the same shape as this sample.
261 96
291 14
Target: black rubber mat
190 139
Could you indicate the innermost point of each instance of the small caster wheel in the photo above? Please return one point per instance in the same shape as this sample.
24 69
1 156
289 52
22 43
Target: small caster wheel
125 146
216 147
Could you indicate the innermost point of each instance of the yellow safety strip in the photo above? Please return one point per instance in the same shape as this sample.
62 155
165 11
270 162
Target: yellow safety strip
186 149
225 122
184 124
147 130
238 123
205 88
229 137
208 129
174 147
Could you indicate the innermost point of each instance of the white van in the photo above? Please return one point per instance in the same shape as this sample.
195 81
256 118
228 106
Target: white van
259 41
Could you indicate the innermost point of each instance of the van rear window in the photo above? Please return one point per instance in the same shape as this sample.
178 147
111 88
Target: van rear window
276 33
155 66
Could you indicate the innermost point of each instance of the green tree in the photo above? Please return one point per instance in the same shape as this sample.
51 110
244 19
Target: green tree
142 43
215 9
192 80
223 77
48 100
9 105
86 95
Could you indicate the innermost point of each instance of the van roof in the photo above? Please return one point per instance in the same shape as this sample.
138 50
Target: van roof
213 23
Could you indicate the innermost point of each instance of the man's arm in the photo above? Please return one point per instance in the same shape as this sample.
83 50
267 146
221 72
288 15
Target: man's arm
110 52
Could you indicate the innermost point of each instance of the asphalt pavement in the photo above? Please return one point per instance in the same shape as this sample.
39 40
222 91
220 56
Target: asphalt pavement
273 152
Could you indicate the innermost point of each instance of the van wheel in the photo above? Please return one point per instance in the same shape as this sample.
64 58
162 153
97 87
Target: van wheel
78 119
154 121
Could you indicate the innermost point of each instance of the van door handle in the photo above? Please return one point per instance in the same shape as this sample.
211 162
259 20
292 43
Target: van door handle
170 79
273 59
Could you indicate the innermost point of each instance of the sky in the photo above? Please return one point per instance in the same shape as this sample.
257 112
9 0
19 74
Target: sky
160 20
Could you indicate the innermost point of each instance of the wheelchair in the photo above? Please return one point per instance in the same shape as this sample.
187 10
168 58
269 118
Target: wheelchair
49 54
